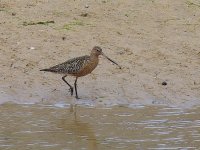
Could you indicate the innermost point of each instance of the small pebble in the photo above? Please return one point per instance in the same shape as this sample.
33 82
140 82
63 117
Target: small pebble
86 6
164 83
13 14
32 48
63 38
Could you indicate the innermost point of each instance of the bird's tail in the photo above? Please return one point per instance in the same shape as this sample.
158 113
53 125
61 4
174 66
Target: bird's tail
49 70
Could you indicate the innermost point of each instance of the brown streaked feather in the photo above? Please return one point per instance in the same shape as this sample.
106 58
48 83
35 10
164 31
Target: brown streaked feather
87 68
71 66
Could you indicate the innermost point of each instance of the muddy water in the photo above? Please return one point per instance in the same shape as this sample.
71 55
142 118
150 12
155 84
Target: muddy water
46 127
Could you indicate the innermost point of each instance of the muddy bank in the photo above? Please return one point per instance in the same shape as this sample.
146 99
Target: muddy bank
154 41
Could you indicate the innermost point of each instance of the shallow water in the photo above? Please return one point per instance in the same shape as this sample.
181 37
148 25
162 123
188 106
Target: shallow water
47 127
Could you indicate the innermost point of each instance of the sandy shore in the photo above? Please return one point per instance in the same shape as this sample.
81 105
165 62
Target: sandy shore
154 41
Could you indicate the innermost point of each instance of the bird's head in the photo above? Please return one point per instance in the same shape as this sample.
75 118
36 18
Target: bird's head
98 51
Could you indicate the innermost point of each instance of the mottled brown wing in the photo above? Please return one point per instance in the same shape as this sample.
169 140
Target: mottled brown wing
71 66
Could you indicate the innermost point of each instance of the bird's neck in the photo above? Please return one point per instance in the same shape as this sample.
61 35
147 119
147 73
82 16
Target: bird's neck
94 56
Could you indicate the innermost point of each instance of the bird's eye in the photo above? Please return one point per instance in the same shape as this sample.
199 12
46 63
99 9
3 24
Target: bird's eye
98 50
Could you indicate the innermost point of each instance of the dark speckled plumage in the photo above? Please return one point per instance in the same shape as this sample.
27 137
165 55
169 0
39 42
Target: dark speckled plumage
79 66
71 66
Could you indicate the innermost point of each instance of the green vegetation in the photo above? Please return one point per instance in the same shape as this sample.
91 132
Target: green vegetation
70 25
126 15
190 3
36 23
4 9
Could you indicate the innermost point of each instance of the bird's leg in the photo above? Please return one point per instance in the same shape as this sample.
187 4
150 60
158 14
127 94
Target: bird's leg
75 85
73 109
71 88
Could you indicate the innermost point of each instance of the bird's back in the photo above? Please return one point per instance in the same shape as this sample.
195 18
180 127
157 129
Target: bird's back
72 66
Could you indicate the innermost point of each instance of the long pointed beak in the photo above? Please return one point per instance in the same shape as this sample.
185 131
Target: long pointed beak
111 60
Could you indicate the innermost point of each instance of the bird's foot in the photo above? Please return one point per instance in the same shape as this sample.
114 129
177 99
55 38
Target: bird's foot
71 91
77 97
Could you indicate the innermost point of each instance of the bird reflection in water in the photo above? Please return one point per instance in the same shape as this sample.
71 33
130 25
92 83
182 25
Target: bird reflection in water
81 132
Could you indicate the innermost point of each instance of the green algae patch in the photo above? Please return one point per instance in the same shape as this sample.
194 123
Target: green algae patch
38 23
